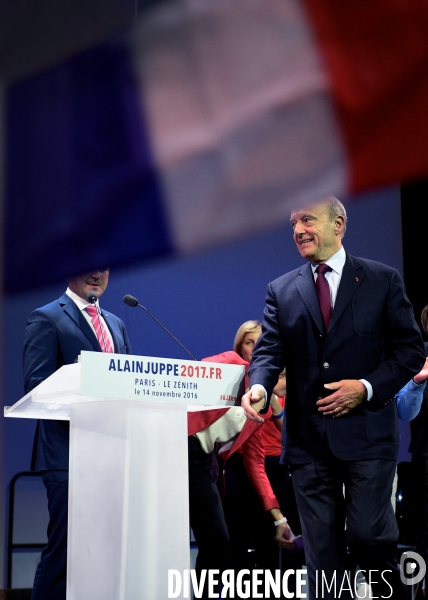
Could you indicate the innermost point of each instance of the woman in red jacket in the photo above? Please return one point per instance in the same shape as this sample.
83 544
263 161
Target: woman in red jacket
223 432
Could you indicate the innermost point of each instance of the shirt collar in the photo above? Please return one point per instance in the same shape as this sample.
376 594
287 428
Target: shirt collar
80 302
336 262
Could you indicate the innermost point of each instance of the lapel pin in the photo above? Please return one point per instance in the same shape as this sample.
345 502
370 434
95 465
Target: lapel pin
356 279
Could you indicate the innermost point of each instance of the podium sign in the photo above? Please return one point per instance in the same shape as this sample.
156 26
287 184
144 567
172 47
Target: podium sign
169 380
101 376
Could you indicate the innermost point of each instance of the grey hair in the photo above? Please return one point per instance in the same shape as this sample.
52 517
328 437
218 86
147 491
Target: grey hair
337 209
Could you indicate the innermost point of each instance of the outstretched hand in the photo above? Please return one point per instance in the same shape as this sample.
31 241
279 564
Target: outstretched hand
252 402
423 374
348 393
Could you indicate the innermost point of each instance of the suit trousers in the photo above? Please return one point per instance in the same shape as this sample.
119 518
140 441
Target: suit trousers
51 575
333 494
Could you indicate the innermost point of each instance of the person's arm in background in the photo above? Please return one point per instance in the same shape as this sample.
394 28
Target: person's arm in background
277 410
254 462
409 398
277 400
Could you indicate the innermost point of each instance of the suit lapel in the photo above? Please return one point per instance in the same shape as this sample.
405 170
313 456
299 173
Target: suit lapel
306 286
71 309
352 278
114 333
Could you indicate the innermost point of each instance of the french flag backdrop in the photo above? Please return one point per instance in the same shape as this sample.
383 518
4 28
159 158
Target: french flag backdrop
206 123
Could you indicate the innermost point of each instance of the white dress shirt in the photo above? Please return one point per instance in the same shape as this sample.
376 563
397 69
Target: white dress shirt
336 263
81 305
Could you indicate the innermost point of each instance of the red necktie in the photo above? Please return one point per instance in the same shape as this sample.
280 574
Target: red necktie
100 329
323 291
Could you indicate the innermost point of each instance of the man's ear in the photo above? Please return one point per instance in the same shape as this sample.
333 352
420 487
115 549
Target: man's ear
339 224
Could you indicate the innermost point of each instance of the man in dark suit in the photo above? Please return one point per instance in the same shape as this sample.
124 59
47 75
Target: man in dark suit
55 336
348 339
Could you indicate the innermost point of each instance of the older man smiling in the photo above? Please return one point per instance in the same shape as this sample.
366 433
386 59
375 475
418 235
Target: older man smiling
344 329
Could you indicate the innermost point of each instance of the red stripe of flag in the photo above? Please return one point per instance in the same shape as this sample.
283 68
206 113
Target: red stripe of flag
376 53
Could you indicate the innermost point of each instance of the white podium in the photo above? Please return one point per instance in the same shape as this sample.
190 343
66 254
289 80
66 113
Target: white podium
128 493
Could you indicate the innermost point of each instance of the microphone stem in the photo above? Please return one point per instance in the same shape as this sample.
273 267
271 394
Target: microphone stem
165 329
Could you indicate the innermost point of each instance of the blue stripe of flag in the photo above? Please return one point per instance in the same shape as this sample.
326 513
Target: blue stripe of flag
82 187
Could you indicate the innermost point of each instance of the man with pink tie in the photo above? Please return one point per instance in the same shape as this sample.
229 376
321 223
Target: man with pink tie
55 336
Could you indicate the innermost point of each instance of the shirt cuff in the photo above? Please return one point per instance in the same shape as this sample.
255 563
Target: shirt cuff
368 387
258 386
414 385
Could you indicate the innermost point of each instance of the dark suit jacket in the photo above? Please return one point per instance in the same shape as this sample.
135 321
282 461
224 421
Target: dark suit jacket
55 336
373 335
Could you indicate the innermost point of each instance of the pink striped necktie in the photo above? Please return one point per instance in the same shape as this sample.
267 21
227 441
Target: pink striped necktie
100 329
323 291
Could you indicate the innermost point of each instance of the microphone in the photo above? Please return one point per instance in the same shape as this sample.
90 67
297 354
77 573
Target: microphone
91 297
132 301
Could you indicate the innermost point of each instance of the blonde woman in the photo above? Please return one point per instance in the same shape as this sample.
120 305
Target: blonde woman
245 339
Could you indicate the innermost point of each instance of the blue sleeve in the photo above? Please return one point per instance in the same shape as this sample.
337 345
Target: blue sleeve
40 356
409 400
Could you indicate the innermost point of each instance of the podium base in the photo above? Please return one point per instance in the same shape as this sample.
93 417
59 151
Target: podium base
128 499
